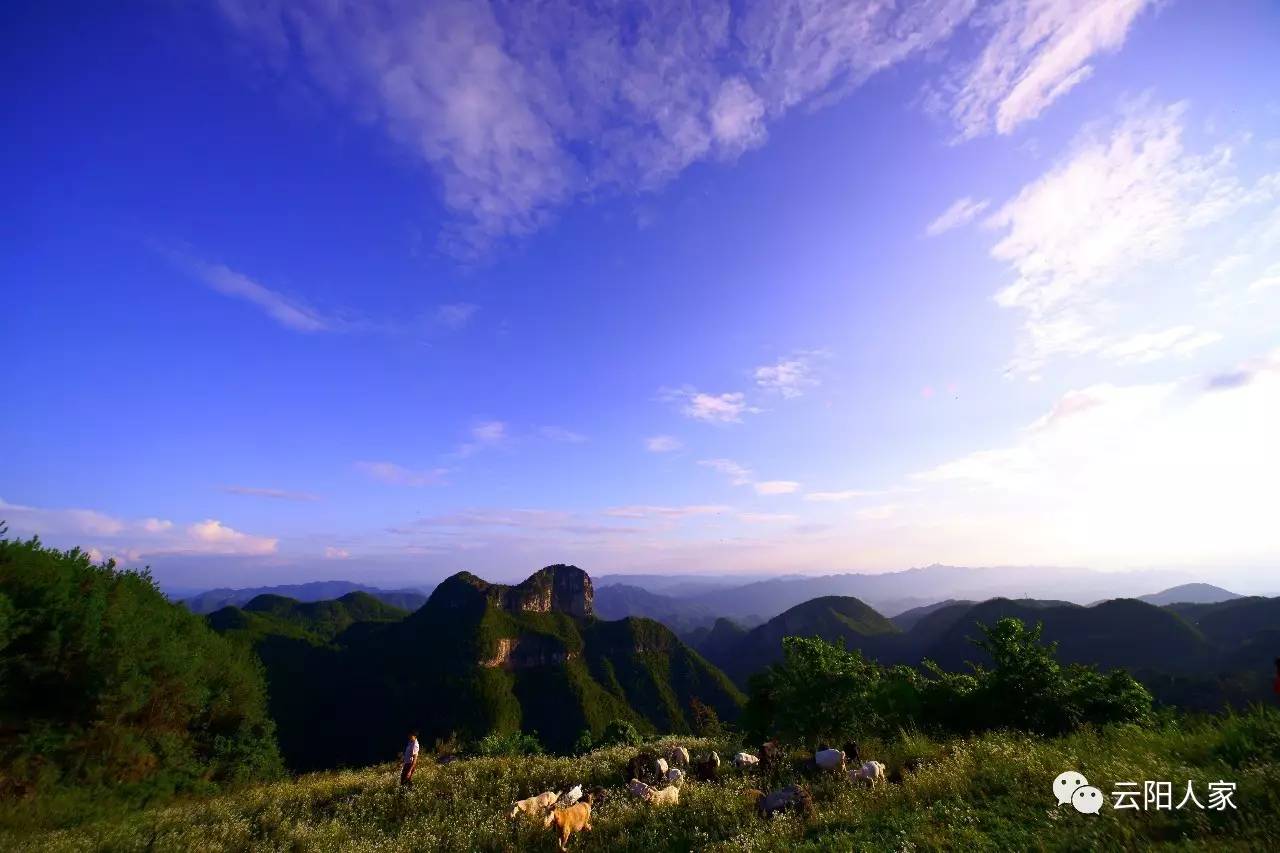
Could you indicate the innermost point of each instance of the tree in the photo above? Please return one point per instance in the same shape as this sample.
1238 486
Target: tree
103 682
706 722
818 692
620 733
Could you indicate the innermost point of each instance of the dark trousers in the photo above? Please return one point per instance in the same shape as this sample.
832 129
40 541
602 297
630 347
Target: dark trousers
406 774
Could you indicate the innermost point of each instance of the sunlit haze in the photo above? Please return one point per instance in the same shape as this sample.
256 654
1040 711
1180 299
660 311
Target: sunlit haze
312 290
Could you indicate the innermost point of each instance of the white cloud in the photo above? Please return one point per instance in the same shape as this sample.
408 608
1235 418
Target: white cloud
712 408
961 212
877 513
290 313
739 475
662 444
1034 53
455 315
556 433
483 435
1145 347
666 512
332 553
790 377
737 116
767 517
130 540
1178 472
1087 239
776 487
398 475
519 108
832 497
278 494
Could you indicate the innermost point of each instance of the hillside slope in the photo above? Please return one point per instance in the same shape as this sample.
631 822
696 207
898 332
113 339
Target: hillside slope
834 618
481 657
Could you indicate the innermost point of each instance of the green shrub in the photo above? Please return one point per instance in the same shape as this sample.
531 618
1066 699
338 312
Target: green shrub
620 733
104 684
497 744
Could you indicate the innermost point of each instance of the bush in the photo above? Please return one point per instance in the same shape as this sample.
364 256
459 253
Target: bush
620 733
821 693
495 744
105 683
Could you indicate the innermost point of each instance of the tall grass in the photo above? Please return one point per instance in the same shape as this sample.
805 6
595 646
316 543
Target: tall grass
986 792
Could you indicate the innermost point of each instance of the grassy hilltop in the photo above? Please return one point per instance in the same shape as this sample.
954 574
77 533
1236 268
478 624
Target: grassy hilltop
986 792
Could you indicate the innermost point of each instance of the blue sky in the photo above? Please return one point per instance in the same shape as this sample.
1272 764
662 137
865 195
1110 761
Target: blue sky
386 291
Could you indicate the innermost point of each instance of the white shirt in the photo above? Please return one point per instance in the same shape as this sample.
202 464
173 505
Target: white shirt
411 750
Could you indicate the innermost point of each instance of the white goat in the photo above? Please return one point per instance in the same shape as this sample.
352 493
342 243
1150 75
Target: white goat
829 759
871 772
535 805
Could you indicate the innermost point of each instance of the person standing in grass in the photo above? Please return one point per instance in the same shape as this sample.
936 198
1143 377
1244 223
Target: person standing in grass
410 759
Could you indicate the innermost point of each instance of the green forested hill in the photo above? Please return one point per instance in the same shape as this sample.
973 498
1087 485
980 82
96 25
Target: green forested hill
834 618
477 658
317 620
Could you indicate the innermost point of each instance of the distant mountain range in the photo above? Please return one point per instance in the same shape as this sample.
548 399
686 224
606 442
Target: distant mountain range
556 655
476 658
215 599
1190 593
1194 655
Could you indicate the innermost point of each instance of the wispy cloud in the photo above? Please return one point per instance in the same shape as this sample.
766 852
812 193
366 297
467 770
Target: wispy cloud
961 212
739 475
666 512
455 315
1145 347
767 517
287 311
484 435
790 377
519 109
1085 239
776 487
334 553
277 494
129 540
662 444
1173 471
882 512
1032 54
727 408
556 433
832 497
398 475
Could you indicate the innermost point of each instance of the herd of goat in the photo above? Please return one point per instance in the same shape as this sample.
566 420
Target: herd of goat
657 779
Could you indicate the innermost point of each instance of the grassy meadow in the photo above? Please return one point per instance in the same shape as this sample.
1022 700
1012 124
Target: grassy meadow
990 791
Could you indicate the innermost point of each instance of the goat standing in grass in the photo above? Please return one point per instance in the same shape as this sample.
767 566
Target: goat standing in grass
570 819
535 805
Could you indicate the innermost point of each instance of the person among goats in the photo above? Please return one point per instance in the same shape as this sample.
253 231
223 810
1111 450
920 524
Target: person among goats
410 761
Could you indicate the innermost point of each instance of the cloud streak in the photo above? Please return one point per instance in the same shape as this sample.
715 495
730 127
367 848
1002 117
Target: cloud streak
1032 54
519 108
129 540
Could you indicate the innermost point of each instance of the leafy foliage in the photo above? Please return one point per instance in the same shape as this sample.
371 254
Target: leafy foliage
104 683
821 692
512 743
620 733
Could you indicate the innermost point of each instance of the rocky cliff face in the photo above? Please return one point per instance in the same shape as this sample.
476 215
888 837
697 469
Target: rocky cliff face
555 589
